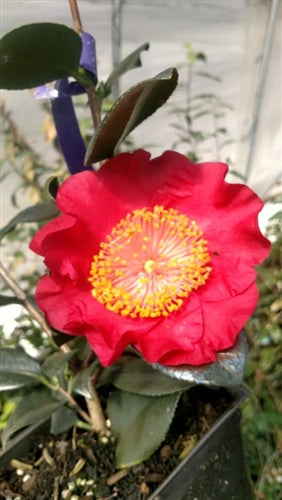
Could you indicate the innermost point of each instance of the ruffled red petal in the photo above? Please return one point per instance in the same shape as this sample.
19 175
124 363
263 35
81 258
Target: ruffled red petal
93 203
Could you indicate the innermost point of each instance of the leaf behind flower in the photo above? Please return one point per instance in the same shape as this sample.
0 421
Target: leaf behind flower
35 213
228 370
37 53
131 109
133 60
139 377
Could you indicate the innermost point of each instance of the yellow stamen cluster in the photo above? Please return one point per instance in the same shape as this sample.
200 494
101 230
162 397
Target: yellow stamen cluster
150 262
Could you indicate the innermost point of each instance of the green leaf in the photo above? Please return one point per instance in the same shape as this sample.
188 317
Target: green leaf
5 300
140 378
17 369
81 346
54 364
227 370
33 408
51 187
38 53
133 107
130 62
140 424
62 420
35 213
81 381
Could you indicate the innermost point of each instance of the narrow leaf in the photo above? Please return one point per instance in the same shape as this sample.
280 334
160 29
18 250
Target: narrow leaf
33 408
130 62
38 53
35 213
17 369
140 378
131 109
140 424
54 364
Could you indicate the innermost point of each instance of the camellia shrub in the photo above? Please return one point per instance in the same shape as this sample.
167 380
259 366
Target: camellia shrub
150 263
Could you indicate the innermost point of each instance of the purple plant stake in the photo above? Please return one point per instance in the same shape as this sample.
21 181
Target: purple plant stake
68 133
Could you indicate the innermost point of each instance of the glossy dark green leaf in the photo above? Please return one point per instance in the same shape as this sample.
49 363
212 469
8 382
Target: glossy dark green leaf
51 187
140 424
131 109
17 369
226 371
130 62
54 364
38 53
31 409
81 381
140 378
35 213
62 420
81 346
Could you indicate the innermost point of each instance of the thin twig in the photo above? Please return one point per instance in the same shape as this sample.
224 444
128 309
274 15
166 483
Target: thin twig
34 313
95 105
20 294
94 101
266 468
76 17
74 404
96 419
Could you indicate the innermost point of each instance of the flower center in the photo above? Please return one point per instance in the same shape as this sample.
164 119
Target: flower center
150 262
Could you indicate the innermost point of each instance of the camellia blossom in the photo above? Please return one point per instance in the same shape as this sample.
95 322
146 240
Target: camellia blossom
156 253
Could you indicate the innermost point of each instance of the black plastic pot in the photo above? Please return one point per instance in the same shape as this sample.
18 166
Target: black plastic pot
214 470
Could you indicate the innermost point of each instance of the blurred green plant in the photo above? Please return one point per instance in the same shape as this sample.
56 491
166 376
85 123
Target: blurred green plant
199 120
262 412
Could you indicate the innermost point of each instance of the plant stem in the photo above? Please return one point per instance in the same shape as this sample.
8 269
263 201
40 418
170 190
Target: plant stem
95 105
76 17
20 294
74 404
34 313
94 406
97 418
94 102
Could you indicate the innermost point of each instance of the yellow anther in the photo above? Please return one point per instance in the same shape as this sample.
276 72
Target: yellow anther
149 280
150 266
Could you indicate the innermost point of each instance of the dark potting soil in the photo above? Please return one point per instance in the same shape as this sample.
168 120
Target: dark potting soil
80 465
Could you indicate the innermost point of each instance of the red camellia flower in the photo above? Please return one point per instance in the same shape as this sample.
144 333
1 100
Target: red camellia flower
156 253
